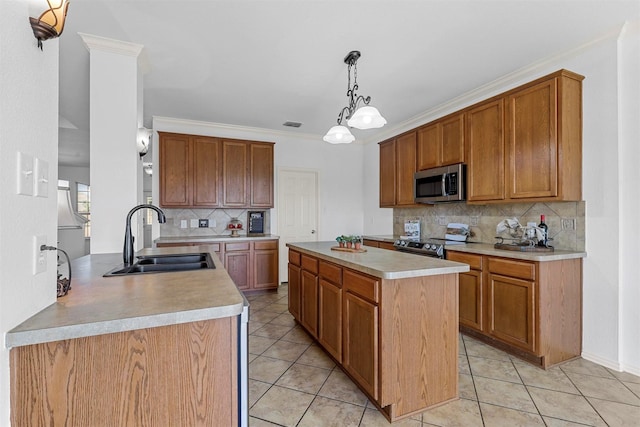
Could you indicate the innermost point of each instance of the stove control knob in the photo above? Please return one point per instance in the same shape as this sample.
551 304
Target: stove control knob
433 247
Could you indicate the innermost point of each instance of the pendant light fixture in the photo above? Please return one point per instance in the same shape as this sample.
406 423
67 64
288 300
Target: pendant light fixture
365 117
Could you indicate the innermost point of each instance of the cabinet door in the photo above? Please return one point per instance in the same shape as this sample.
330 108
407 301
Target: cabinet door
486 156
429 146
309 306
452 150
387 173
511 310
206 170
261 176
175 170
387 245
532 142
265 266
406 168
330 318
235 164
360 353
237 262
471 299
294 290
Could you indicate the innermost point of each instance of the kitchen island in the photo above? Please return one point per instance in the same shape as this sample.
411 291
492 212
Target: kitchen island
147 349
389 319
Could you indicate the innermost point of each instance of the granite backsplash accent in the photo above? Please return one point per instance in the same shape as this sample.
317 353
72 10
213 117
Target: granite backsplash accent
483 220
172 228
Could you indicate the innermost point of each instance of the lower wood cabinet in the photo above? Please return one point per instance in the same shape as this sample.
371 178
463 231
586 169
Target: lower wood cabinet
382 331
531 309
378 244
252 265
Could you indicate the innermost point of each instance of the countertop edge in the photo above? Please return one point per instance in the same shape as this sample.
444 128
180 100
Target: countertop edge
488 249
213 239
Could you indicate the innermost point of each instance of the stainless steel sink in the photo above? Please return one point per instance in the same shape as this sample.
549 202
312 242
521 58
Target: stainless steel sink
164 263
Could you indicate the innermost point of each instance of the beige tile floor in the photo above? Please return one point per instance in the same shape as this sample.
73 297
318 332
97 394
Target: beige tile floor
292 382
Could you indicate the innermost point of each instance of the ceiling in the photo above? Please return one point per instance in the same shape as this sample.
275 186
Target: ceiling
261 63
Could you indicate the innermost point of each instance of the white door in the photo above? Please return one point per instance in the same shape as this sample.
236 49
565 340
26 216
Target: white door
297 211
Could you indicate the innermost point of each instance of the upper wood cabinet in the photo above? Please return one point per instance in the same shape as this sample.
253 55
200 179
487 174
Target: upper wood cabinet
208 172
533 153
189 170
397 167
441 143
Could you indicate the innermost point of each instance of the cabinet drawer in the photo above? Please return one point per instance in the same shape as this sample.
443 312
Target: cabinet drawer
294 257
474 261
364 286
310 264
265 244
240 246
367 242
331 272
387 245
511 268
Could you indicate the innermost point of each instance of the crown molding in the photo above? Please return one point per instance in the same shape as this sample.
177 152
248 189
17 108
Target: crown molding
171 124
495 87
111 45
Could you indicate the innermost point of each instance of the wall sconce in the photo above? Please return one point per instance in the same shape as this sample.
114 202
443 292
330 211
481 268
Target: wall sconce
143 141
51 23
147 168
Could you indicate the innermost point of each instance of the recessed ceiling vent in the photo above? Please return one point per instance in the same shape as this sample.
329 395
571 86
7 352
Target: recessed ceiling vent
292 124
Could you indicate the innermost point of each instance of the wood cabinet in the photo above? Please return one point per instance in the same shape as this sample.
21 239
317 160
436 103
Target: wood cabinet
208 172
330 308
472 295
252 265
529 308
378 244
189 171
309 295
441 143
382 331
397 167
534 152
184 374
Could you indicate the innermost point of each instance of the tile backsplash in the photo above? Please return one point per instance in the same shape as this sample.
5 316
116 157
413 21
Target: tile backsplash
566 220
221 217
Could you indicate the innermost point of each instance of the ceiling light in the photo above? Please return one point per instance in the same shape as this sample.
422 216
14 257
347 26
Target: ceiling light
51 23
366 117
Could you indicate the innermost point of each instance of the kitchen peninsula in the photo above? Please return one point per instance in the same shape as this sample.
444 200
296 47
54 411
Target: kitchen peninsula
146 349
390 319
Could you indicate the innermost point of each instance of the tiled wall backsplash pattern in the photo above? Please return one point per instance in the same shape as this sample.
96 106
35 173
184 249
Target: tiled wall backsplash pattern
566 220
221 217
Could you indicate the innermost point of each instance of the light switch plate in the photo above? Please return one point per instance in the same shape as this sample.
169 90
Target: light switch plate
25 174
183 223
194 223
41 183
39 257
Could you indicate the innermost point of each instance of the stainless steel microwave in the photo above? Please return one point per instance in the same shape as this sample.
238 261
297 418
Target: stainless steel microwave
444 184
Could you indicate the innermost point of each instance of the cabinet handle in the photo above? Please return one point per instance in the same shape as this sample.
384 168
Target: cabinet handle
313 231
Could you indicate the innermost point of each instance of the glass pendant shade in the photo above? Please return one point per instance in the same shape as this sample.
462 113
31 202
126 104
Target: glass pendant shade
51 23
339 135
366 117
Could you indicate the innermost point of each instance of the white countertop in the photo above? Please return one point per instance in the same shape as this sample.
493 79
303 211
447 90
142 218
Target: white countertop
214 238
381 263
98 305
488 249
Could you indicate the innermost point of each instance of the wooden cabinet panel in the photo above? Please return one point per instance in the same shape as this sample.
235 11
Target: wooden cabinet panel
471 301
331 272
406 168
486 153
330 318
387 245
175 170
294 290
511 308
372 243
512 268
309 264
265 268
309 302
387 173
364 286
235 164
206 170
429 146
238 265
294 257
452 150
532 143
261 175
361 340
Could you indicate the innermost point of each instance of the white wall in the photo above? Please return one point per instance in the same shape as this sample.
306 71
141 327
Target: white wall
339 167
611 319
28 123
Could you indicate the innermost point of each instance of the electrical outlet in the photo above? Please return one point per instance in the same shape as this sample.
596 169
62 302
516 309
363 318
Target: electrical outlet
568 223
183 223
473 221
203 223
441 220
194 223
39 256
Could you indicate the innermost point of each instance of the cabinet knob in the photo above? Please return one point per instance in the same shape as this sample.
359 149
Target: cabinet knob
313 231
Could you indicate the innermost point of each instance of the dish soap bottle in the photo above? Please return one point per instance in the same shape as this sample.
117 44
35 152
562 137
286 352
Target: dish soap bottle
545 232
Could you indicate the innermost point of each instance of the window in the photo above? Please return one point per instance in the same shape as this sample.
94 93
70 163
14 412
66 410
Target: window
149 201
83 193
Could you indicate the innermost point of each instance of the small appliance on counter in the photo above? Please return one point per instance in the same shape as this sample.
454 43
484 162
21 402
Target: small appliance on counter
256 220
235 225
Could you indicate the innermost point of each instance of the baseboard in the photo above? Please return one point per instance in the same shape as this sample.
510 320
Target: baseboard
607 363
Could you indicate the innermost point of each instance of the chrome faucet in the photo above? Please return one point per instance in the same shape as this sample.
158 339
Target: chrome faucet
127 253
